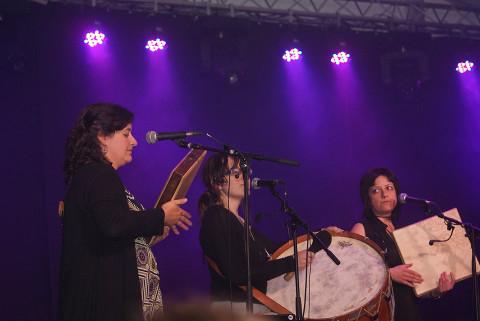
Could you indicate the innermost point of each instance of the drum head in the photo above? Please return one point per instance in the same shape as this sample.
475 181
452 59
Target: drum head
334 290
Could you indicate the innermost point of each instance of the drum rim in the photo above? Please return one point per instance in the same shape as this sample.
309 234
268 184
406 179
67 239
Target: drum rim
278 308
303 238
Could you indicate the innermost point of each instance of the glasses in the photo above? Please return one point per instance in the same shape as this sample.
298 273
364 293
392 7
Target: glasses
237 172
378 189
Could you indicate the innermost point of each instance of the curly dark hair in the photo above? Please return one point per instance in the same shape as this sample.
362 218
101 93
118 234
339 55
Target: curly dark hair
368 180
82 146
214 172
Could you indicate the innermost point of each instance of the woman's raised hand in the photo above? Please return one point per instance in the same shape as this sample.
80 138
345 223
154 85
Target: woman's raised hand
175 216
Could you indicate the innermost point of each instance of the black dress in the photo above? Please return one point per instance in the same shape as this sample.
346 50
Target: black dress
406 308
222 240
99 280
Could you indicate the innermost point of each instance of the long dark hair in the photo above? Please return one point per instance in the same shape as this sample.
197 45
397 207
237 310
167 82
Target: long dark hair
368 180
214 172
82 146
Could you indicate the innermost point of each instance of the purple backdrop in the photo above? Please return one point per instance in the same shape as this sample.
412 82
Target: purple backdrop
409 112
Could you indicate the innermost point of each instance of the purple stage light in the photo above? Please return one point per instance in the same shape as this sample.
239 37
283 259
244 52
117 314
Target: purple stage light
157 44
340 58
94 38
292 55
463 67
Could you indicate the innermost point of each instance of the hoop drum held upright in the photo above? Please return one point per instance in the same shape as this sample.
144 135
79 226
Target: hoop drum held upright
357 289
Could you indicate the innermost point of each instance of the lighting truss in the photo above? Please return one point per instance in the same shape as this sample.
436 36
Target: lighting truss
460 18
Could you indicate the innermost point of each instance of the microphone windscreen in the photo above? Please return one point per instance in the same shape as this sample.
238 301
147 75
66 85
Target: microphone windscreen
151 137
402 198
255 183
325 237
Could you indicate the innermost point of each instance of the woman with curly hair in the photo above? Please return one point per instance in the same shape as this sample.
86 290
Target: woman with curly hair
108 272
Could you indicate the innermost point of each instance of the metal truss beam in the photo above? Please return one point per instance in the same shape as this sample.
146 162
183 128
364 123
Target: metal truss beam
436 17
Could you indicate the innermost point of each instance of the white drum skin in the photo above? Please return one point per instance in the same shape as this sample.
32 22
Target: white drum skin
356 290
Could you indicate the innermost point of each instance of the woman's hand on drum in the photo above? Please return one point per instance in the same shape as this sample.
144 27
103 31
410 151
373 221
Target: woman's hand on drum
304 258
334 229
175 216
403 274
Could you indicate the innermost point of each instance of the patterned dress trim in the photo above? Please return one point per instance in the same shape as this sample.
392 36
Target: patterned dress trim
147 270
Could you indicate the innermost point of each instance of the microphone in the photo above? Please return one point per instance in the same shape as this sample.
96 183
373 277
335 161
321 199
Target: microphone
403 198
258 183
152 136
325 237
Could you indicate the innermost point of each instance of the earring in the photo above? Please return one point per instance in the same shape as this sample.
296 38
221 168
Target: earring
104 149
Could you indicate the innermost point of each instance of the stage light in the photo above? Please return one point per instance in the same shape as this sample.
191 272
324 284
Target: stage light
292 55
340 58
157 44
463 67
94 38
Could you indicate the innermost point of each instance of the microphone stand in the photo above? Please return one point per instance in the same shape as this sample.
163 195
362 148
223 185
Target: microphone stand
244 166
296 221
471 232
246 217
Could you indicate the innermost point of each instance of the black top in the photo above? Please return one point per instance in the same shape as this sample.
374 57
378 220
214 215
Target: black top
98 280
406 308
222 240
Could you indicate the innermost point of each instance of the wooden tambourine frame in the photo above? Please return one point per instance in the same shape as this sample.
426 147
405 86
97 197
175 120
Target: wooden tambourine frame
430 261
181 177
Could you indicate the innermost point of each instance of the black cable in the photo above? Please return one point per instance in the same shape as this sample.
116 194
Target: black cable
449 227
229 231
309 284
306 280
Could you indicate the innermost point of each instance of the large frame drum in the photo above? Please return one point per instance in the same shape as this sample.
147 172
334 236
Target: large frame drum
359 289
